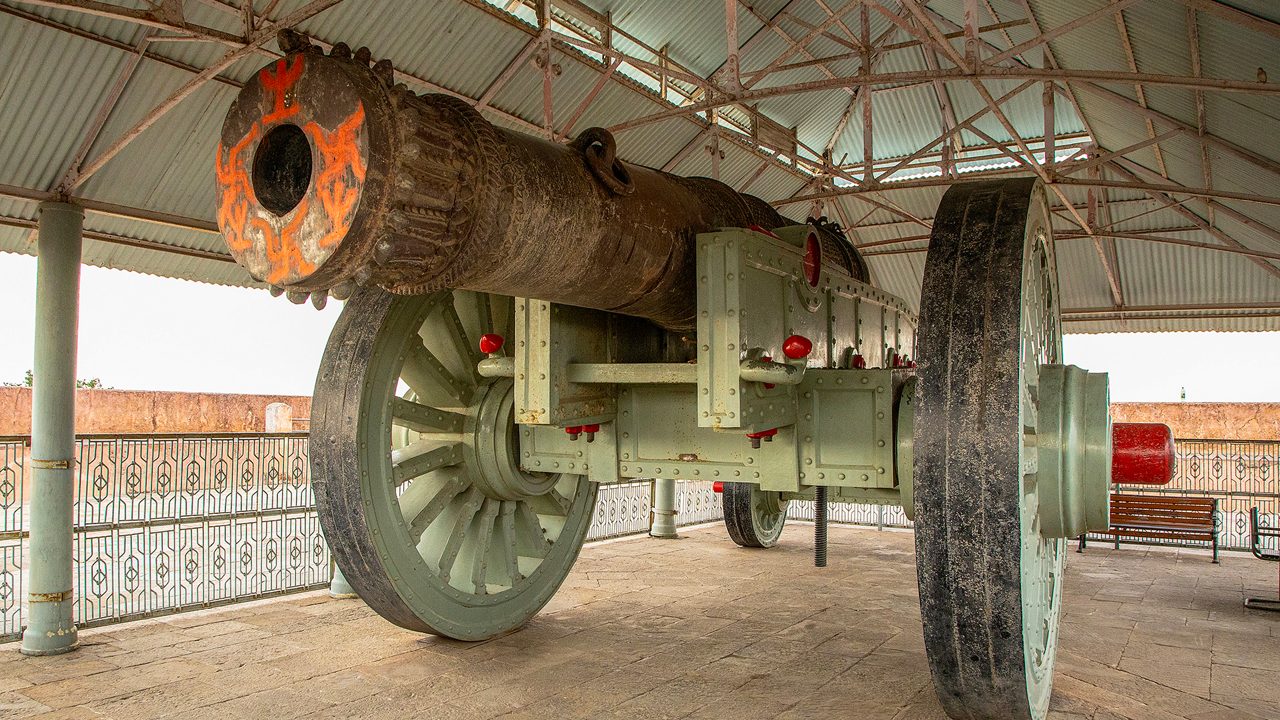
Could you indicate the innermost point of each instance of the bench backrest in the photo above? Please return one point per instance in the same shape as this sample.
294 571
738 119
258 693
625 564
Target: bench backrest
1171 510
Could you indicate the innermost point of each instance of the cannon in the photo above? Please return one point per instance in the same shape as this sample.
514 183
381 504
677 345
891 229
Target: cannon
527 320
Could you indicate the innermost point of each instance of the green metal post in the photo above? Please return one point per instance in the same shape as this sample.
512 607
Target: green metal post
50 629
664 509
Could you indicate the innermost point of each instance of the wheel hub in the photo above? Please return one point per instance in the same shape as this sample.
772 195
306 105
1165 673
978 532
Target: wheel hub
493 450
1073 458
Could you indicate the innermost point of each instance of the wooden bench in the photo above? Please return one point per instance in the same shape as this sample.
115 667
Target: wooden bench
1163 517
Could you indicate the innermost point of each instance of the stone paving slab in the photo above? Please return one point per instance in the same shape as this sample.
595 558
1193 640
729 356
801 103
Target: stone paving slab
692 628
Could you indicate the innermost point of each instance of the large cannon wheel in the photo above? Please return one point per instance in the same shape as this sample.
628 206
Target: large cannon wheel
990 581
414 463
753 517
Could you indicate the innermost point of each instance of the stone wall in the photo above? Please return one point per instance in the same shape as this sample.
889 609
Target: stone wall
140 411
144 411
1207 421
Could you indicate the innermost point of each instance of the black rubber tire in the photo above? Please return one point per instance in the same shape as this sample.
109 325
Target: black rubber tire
745 526
967 443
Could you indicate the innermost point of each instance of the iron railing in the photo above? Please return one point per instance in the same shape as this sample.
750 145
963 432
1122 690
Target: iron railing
165 523
13 480
1241 474
169 522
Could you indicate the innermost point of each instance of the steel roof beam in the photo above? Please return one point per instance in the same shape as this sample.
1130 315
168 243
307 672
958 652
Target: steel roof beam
227 60
1235 15
23 223
1193 43
1262 229
86 35
987 72
1209 138
1116 6
127 213
1119 164
161 21
1123 29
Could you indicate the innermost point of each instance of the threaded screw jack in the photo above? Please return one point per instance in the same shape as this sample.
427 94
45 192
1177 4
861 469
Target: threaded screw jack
820 527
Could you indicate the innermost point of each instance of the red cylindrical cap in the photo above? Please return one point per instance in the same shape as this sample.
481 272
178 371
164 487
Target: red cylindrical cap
797 346
1141 453
490 343
717 486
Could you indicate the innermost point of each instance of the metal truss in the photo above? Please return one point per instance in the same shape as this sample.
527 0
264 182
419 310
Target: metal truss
973 49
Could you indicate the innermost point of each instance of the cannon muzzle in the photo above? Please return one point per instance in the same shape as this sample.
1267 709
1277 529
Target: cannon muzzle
330 174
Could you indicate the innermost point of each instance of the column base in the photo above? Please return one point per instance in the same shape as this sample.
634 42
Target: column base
339 589
38 644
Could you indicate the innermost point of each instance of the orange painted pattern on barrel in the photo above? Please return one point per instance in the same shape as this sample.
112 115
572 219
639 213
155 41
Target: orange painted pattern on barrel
324 214
280 83
341 174
237 191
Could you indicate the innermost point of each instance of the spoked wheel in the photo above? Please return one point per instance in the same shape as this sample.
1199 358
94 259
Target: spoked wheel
416 472
754 517
990 580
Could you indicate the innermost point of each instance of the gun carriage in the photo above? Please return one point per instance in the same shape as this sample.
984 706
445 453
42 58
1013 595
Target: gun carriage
527 320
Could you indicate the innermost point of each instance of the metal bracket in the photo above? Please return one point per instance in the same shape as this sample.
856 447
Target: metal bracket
51 464
65 595
548 339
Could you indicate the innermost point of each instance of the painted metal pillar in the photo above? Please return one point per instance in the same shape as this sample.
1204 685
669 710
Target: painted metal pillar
50 629
339 588
664 509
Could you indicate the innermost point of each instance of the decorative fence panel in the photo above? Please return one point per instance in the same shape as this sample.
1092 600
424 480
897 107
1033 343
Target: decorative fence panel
165 523
880 516
1241 474
13 463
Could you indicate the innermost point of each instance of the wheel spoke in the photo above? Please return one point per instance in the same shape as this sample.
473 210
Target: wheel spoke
421 458
429 512
470 506
463 348
551 503
510 549
483 537
425 419
430 379
535 543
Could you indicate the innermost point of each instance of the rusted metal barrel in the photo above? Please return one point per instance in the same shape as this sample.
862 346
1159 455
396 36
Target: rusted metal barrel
329 174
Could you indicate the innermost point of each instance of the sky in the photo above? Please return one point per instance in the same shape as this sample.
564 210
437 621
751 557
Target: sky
139 332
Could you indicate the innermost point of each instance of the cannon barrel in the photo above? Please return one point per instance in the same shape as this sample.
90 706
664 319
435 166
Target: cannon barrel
330 174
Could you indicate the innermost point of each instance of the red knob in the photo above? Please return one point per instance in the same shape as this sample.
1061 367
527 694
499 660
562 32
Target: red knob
717 486
859 362
796 347
490 343
1141 453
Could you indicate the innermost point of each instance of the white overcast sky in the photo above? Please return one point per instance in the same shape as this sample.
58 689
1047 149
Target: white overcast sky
139 332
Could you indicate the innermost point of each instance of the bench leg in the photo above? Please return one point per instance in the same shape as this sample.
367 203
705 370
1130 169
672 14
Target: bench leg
1117 536
1215 547
1080 547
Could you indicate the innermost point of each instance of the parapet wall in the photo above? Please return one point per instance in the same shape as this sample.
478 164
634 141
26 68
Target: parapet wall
141 411
145 411
1206 421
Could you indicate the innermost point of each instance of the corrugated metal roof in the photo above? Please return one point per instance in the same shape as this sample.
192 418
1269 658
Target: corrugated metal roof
53 82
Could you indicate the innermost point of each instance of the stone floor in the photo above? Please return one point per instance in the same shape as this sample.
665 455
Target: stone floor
691 628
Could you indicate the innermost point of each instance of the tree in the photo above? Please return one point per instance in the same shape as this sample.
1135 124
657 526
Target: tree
86 383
